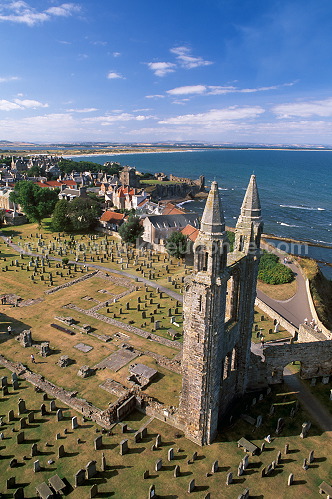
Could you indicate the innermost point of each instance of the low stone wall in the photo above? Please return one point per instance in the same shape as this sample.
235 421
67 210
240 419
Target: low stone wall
71 283
274 315
320 325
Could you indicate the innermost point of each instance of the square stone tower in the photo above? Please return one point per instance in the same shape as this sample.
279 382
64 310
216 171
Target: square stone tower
218 315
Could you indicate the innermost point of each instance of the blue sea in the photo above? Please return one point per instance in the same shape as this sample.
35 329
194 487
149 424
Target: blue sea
294 187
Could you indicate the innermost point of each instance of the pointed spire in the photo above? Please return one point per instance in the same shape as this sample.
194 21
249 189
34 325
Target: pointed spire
213 218
251 206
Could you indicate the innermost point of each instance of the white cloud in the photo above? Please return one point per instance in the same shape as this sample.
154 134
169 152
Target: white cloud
6 105
21 12
215 116
85 110
116 54
187 90
219 90
4 79
304 109
156 96
115 118
161 68
186 60
113 75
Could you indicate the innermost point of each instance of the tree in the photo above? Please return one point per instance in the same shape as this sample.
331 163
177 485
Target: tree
83 213
177 244
271 271
131 230
36 202
60 217
2 217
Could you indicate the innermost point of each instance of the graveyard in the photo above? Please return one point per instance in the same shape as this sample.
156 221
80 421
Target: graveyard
91 324
141 452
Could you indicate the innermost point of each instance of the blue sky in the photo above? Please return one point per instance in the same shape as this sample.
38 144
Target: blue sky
204 70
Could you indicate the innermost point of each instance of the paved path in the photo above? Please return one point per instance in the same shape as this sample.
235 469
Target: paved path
296 309
316 410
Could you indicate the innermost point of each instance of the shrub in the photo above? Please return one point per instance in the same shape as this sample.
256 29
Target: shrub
271 271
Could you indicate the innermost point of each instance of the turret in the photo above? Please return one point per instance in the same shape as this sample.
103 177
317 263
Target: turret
249 226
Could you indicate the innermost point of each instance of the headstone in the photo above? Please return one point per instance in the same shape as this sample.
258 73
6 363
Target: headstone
290 479
11 482
229 478
13 463
170 454
79 478
34 450
254 401
263 472
123 447
259 421
158 465
20 437
103 466
43 410
311 457
152 492
36 466
176 471
21 406
146 474
61 452
194 456
52 405
94 490
191 486
124 428
215 467
305 429
15 385
262 447
59 415
144 432
74 423
273 465
137 437
19 493
278 457
14 376
31 417
245 462
4 391
11 415
23 423
261 396
240 469
286 448
91 469
325 380
98 442
158 440
280 425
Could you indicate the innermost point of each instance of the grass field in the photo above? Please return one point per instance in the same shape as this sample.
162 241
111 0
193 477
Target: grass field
123 478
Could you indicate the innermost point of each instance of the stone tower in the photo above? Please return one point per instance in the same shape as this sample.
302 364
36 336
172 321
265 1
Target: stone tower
218 315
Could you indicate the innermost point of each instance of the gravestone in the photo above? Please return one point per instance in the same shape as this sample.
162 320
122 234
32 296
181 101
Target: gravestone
305 465
191 486
158 465
98 442
194 456
59 415
280 425
176 471
286 448
240 469
278 457
152 491
19 493
290 479
20 437
259 421
13 463
34 450
158 440
23 423
91 469
124 428
11 415
4 391
61 452
137 437
21 406
74 423
262 447
215 467
144 432
52 405
254 401
170 454
79 478
311 457
15 385
245 462
31 417
94 490
146 474
14 377
43 410
229 478
103 466
11 482
36 466
123 447
263 472
305 429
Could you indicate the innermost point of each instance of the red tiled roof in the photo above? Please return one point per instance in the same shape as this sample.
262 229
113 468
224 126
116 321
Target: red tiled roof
191 232
112 217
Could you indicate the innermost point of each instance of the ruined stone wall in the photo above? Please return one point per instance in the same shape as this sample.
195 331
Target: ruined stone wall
315 358
174 191
274 315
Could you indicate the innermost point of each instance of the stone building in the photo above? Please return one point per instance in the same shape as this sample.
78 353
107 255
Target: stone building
218 315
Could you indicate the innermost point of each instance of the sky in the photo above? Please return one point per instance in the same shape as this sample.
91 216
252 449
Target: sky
217 71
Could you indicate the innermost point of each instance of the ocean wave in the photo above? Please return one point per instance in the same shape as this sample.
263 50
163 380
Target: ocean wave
184 202
288 225
323 242
311 208
222 188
